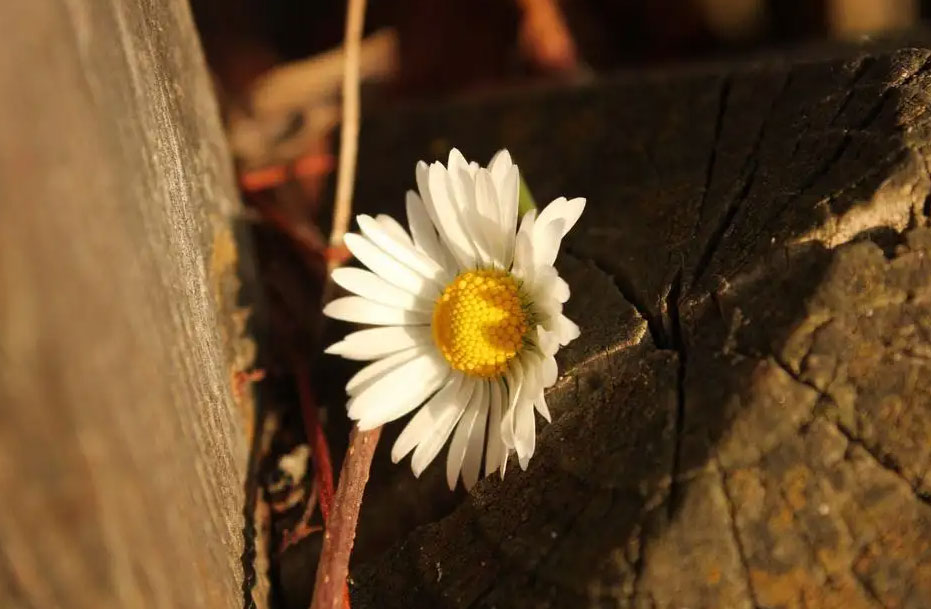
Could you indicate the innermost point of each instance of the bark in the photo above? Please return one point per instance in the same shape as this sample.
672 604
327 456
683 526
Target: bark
122 448
746 419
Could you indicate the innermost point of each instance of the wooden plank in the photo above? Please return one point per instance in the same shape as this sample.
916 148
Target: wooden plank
744 421
122 449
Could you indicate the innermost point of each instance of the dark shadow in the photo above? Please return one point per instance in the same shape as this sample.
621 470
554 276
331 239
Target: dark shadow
283 295
248 297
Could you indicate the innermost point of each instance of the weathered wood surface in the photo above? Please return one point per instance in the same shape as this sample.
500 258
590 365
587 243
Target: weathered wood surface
122 450
746 419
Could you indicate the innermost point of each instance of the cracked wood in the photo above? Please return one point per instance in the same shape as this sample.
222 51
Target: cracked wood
746 420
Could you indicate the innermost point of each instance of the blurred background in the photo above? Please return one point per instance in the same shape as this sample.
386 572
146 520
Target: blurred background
276 63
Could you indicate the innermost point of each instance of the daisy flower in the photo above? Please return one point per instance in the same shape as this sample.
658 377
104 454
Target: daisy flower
470 314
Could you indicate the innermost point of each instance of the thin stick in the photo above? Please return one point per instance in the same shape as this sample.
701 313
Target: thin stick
341 527
330 588
349 128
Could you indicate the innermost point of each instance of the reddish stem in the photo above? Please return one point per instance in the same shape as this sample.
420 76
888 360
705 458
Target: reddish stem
323 467
330 589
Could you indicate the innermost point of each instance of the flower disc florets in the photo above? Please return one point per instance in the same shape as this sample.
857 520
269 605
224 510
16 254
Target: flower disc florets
479 322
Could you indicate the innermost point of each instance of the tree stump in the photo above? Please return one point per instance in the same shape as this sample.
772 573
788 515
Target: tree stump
122 447
746 419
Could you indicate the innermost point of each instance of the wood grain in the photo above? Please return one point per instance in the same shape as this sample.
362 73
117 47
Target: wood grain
122 449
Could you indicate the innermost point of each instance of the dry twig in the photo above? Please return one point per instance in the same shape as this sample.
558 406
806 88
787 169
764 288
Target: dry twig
349 129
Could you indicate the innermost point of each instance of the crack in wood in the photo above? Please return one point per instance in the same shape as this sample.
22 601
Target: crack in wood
639 565
862 68
885 462
628 291
723 95
865 585
876 110
735 533
678 345
748 173
717 235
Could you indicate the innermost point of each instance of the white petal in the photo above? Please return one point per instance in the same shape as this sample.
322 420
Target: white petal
488 218
514 377
540 404
376 343
405 254
388 268
495 446
446 217
560 289
566 329
460 180
460 441
462 191
423 186
548 284
548 342
422 423
549 372
508 197
561 209
527 222
369 374
437 436
363 311
523 249
423 230
504 461
399 391
525 432
532 384
523 259
472 463
394 228
524 425
455 160
499 165
546 241
547 310
369 285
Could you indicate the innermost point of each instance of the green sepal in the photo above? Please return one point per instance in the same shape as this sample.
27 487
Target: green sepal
525 201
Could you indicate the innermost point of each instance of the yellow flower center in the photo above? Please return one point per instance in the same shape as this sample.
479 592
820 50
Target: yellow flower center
478 322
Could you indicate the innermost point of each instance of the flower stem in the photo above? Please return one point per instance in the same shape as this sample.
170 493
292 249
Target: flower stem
330 586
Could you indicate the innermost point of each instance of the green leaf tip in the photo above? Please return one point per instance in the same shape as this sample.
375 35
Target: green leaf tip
525 201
